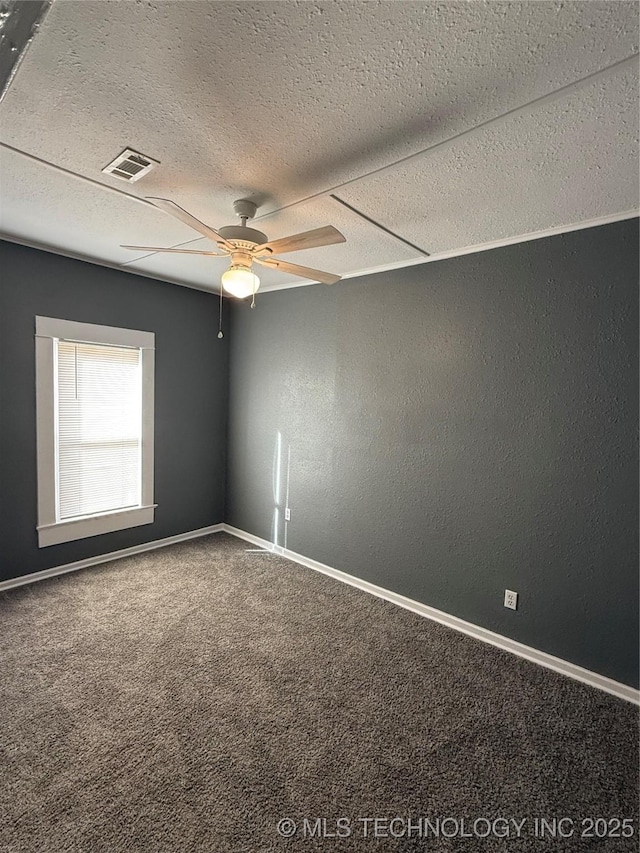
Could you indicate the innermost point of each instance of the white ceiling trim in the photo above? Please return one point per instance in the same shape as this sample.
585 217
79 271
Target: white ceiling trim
76 256
467 250
481 247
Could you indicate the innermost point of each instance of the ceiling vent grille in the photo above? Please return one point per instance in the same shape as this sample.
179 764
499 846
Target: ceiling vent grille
130 166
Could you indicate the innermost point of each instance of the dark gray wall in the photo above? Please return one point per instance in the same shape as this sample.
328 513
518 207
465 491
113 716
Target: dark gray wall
190 397
456 429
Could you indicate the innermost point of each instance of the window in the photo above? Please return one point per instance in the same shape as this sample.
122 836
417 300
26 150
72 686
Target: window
94 394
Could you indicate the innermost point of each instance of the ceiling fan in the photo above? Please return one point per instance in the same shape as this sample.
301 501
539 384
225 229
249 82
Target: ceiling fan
247 245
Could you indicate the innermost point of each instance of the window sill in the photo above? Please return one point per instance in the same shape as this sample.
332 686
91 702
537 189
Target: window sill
95 525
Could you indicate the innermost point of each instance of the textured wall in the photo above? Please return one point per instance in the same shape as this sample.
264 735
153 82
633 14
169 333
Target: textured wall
190 397
454 429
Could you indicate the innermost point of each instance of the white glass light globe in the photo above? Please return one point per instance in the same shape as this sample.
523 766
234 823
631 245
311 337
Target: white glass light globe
240 282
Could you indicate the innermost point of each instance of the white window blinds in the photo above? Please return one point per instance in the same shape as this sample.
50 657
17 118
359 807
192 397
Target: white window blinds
98 428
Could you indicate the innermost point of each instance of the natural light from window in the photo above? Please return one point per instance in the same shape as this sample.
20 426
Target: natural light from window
99 428
95 434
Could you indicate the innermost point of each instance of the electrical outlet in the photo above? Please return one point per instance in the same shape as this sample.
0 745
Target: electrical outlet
287 514
511 599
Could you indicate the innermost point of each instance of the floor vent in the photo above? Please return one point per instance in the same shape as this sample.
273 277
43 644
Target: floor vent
130 166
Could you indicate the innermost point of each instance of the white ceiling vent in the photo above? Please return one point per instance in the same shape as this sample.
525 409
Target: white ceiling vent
130 166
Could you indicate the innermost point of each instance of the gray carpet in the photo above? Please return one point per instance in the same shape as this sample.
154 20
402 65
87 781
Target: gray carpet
190 698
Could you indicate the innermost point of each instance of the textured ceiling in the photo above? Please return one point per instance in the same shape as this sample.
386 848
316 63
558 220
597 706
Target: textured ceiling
508 119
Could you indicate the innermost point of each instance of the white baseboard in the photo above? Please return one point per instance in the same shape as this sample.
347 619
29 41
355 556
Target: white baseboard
572 670
106 558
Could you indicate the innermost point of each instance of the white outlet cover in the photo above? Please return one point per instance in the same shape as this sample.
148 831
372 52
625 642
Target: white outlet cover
511 599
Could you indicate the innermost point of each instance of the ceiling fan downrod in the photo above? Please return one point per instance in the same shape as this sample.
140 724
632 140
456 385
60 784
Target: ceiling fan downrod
245 209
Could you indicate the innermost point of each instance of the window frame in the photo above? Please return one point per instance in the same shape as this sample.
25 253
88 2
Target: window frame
48 331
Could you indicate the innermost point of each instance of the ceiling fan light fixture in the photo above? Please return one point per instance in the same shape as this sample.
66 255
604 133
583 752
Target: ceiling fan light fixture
240 281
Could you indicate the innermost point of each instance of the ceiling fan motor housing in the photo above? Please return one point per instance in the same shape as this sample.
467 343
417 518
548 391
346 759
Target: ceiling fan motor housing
240 233
246 245
243 238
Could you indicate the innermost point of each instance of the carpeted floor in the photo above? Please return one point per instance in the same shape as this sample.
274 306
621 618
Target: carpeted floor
190 698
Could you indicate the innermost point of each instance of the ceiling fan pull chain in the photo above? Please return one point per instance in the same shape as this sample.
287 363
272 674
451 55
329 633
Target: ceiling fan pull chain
253 295
220 333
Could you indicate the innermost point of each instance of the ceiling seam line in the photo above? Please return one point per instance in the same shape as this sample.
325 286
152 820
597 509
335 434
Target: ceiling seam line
176 246
543 99
98 184
548 98
380 226
76 175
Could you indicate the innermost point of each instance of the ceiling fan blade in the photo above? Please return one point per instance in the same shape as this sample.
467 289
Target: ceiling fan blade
180 213
295 269
325 236
181 251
